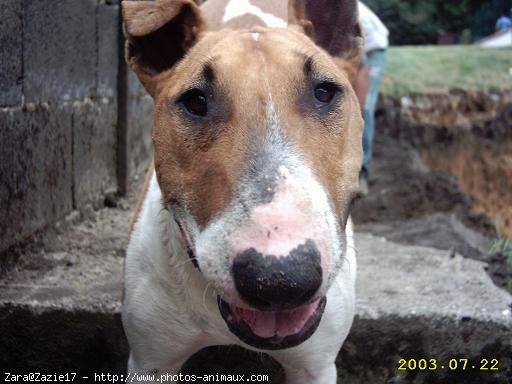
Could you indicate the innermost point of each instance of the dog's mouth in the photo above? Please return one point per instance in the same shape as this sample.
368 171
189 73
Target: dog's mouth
273 329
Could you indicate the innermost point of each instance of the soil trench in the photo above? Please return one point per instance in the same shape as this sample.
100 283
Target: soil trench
442 176
467 134
484 171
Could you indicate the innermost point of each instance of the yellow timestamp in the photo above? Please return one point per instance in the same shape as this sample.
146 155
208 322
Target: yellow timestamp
459 364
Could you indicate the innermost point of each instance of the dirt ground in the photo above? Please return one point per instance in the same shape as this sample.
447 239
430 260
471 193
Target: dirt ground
411 204
484 171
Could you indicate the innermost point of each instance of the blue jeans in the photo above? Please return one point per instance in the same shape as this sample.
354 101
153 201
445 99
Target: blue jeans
376 65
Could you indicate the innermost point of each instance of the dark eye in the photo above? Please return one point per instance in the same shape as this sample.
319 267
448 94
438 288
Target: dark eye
324 93
195 103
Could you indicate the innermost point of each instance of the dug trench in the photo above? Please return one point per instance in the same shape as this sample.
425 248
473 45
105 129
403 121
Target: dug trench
442 176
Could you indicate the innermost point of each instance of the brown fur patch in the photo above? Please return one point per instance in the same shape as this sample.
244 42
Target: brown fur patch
245 21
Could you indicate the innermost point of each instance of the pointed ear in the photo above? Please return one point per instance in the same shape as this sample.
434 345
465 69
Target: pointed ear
332 24
158 34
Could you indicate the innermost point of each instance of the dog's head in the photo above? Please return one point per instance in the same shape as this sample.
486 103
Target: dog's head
257 142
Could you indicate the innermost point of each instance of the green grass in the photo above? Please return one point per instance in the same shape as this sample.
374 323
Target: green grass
503 246
439 69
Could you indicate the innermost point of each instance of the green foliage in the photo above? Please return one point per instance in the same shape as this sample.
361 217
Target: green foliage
503 246
413 22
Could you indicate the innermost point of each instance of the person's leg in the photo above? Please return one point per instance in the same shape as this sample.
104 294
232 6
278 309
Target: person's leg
368 133
376 64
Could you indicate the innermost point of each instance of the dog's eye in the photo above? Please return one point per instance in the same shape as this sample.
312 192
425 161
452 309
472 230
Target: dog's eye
324 93
195 102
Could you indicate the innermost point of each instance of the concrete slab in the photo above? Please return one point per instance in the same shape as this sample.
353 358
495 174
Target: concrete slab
60 305
54 340
78 267
413 302
10 55
409 281
422 303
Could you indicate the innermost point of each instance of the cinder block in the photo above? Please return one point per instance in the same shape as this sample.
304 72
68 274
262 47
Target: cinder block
94 150
59 48
10 53
139 123
35 171
108 49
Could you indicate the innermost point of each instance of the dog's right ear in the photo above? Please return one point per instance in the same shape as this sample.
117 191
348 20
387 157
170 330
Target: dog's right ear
158 34
333 25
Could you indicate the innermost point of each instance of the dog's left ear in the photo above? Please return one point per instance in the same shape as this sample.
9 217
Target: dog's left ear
332 24
158 34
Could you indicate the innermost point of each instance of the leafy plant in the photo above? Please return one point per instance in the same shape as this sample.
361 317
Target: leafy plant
503 246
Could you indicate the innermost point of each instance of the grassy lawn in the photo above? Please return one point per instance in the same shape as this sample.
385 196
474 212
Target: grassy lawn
438 69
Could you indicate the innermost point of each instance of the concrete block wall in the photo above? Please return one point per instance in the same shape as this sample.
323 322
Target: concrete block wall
139 117
10 57
63 112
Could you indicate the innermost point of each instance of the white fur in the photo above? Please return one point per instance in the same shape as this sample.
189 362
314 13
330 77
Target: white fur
170 313
236 8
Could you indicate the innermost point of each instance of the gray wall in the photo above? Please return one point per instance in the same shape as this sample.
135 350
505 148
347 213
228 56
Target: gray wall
139 116
73 124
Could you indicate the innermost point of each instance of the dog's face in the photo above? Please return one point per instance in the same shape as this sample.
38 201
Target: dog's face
257 142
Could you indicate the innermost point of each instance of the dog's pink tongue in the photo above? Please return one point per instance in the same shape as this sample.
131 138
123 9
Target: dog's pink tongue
281 324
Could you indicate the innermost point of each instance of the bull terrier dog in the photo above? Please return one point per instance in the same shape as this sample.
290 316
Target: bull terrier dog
242 235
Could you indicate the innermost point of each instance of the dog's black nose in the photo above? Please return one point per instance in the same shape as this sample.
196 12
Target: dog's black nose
271 283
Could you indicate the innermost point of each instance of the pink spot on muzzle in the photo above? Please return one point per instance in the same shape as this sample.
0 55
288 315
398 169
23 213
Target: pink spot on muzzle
289 220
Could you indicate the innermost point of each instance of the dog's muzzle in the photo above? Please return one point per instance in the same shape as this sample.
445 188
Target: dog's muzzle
270 255
281 294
